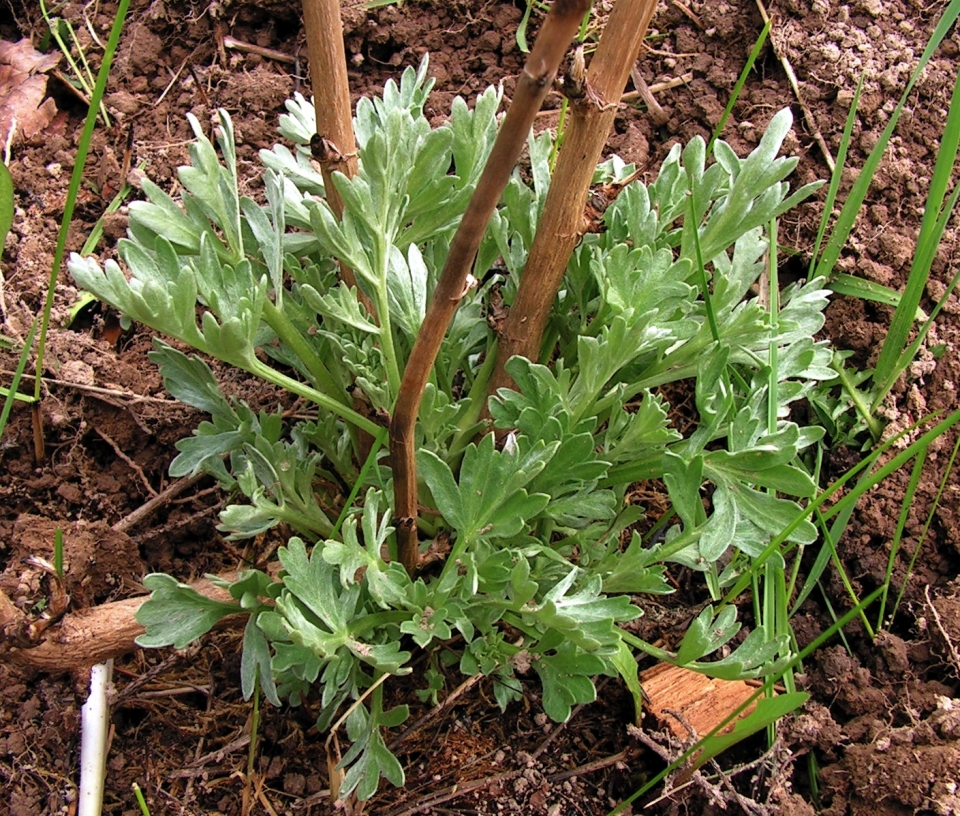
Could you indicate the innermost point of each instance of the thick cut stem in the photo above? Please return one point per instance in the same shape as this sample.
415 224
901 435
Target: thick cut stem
334 146
562 224
558 30
331 90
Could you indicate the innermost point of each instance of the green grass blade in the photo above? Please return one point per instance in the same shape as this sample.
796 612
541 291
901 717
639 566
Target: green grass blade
522 28
833 616
883 386
828 552
908 497
741 81
58 552
796 661
83 149
934 221
115 203
144 810
858 193
852 286
893 464
369 463
6 392
926 527
847 503
835 180
6 204
12 395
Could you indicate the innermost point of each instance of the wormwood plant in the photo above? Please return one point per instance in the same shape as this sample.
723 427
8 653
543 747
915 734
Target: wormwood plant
527 565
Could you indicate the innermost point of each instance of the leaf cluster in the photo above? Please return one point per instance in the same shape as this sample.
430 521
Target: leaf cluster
531 526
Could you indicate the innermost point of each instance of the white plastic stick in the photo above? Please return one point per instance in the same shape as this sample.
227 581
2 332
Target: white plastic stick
95 715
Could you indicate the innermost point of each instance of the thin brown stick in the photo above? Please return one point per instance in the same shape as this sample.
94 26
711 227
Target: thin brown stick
795 85
657 113
438 709
154 504
562 224
198 767
454 792
590 767
657 87
259 50
130 397
633 96
534 82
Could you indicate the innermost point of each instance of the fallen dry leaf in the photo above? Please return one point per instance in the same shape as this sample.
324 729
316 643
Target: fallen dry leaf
23 87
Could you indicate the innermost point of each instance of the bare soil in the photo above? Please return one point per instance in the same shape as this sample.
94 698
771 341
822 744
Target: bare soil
883 723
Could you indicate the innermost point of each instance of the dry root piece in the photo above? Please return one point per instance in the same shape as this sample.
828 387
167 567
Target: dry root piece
83 638
945 614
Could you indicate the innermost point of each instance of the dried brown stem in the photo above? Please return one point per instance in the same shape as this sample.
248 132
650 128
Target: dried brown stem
334 146
328 75
331 91
795 85
562 224
534 82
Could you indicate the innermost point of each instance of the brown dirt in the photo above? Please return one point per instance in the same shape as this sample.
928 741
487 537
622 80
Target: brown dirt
881 724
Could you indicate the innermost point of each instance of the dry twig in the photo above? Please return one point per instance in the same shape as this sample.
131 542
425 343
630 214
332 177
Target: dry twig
533 85
562 223
795 85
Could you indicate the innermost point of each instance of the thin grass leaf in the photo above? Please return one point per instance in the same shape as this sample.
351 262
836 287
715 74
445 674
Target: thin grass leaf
522 28
851 208
909 353
893 465
6 203
831 537
732 717
864 289
83 149
926 528
846 504
741 81
905 504
768 712
935 216
836 178
11 394
115 203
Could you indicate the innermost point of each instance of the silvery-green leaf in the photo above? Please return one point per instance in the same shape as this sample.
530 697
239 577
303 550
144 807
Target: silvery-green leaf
176 614
407 288
255 663
707 633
